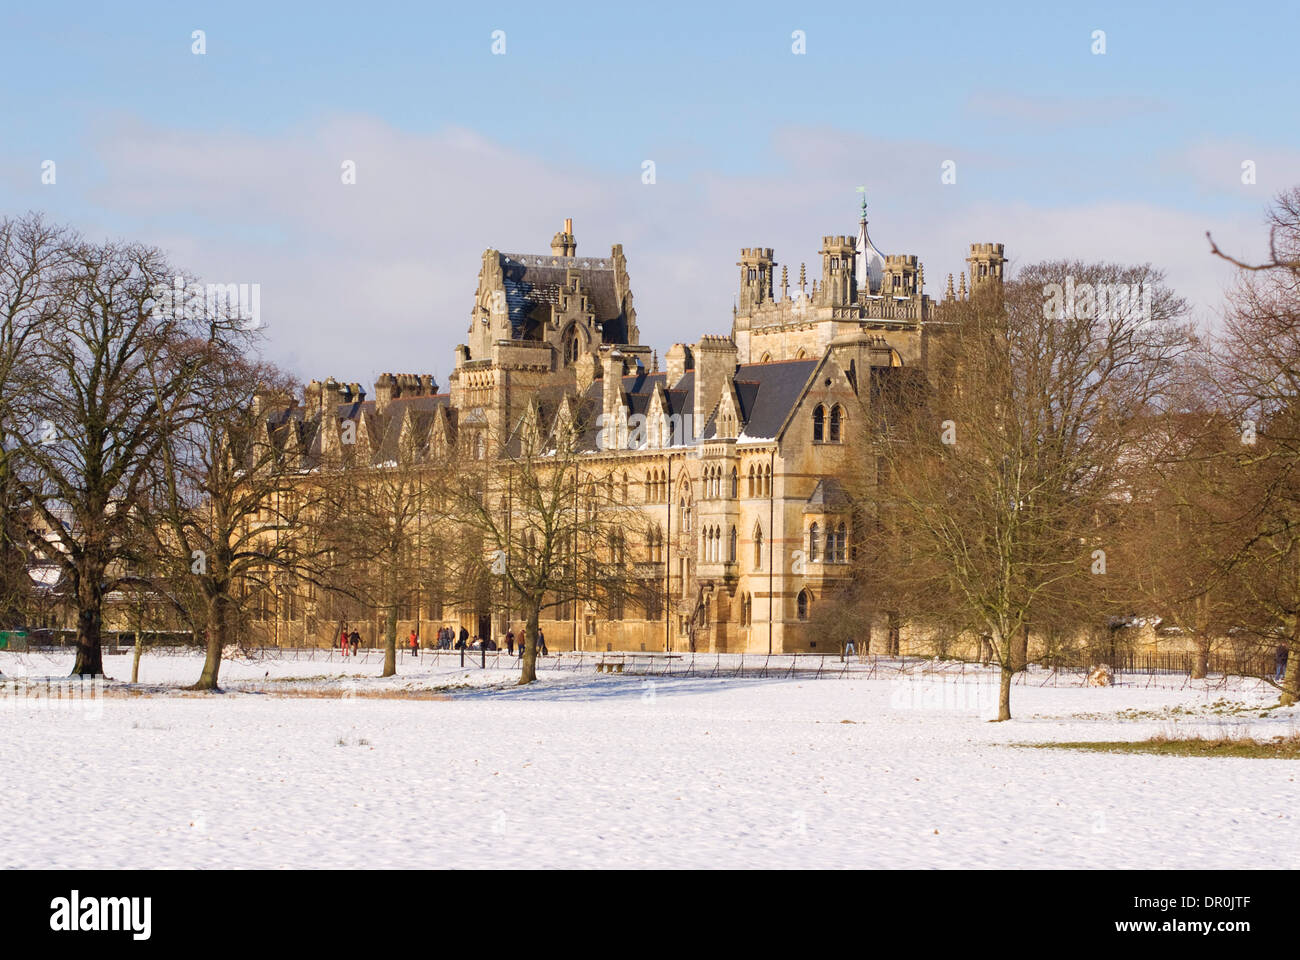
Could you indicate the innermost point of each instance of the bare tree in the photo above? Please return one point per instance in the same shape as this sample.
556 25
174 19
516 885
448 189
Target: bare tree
232 509
96 435
542 517
387 520
1259 371
997 478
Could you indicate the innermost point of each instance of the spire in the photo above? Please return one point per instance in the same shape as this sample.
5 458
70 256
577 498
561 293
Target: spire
961 288
803 278
785 282
948 294
868 262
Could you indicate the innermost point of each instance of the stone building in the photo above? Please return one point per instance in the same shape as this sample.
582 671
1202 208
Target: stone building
742 477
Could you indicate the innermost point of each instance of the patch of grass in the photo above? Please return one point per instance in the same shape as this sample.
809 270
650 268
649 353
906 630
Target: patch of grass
1276 748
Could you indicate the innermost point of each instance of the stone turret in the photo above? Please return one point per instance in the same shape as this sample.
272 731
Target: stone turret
756 266
837 287
986 262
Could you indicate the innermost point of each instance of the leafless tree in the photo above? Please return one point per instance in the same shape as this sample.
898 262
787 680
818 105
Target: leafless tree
996 479
543 518
95 435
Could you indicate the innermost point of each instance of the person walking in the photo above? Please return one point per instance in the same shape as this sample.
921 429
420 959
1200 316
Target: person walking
343 639
356 642
510 642
415 644
1279 662
848 649
541 643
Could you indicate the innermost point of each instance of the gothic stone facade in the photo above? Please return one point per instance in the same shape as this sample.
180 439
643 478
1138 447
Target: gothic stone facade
748 488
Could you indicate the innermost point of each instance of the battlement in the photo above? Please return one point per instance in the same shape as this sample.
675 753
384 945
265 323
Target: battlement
712 341
756 253
838 241
900 260
986 249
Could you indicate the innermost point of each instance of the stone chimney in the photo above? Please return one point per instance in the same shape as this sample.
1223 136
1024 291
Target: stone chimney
611 384
678 361
386 390
715 360
428 386
563 243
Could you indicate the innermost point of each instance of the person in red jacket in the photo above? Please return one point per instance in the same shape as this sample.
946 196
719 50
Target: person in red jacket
343 640
415 644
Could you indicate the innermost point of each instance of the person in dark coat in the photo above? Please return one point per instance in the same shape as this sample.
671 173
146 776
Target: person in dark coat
510 642
541 643
355 640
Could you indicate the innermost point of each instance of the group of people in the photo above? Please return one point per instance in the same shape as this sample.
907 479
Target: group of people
447 639
349 640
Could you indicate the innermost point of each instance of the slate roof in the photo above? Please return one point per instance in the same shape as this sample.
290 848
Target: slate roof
767 393
533 283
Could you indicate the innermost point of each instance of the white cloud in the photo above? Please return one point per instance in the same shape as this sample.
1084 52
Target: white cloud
379 276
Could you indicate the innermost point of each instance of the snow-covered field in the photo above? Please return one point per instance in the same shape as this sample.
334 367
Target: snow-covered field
584 770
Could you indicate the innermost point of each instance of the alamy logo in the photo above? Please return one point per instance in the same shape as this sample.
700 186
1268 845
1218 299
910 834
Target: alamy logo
1100 301
212 301
75 913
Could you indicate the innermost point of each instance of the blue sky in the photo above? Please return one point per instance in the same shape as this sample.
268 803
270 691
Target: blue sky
231 159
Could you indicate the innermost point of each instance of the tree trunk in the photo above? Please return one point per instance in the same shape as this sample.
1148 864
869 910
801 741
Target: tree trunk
1020 650
529 639
1004 693
1201 657
1291 678
1003 648
135 658
216 643
90 614
390 641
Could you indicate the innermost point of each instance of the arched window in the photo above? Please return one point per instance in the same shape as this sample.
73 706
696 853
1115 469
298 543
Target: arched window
731 547
814 534
758 547
803 602
735 483
837 417
841 543
819 424
751 479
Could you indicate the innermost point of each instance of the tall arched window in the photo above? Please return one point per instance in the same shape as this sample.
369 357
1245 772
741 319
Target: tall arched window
751 479
841 543
758 547
837 417
804 602
731 548
819 424
735 483
814 534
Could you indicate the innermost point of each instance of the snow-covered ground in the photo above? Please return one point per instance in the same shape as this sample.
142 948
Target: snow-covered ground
584 770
